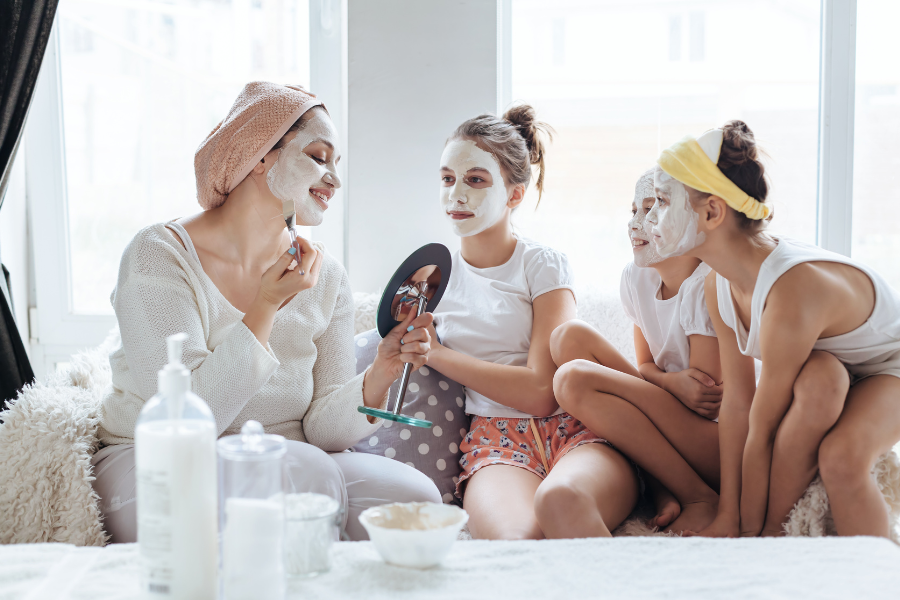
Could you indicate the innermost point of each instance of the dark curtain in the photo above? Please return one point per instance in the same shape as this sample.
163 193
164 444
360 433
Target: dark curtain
24 31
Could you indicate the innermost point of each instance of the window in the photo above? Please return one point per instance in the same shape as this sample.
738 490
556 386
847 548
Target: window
142 84
634 81
876 162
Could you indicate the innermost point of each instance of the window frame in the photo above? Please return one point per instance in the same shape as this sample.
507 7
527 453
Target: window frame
59 331
56 331
837 120
837 96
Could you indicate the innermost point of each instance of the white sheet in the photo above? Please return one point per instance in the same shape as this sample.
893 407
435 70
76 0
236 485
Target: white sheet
630 568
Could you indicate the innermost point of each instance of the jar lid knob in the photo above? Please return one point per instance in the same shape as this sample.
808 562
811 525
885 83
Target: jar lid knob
251 434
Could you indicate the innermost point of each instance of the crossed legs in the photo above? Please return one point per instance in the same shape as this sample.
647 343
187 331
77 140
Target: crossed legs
678 447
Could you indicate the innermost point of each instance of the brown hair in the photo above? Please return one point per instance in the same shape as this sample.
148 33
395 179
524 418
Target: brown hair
298 125
515 140
739 161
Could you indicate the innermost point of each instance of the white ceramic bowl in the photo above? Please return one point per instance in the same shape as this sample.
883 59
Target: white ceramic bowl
413 534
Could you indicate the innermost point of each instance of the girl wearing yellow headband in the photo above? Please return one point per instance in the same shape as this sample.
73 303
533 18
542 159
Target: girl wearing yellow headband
827 330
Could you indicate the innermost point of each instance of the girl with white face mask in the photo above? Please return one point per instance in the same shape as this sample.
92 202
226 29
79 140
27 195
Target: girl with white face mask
529 469
826 329
270 331
661 413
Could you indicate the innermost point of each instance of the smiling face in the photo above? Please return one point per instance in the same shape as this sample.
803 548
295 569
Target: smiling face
473 194
305 173
642 244
673 221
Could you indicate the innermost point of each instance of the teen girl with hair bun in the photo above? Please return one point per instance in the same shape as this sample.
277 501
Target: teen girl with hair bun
661 413
530 470
826 328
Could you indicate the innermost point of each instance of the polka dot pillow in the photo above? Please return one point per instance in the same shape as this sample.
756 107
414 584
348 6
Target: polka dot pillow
430 396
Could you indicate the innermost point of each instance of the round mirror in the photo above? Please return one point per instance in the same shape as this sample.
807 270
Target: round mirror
422 278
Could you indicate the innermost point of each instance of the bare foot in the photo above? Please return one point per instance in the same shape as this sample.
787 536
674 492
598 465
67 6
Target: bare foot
721 527
772 532
695 516
667 509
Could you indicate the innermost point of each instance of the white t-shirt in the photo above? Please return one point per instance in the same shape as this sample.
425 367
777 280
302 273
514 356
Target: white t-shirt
666 324
487 313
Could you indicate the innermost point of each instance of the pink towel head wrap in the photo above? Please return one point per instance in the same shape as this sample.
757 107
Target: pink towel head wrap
261 115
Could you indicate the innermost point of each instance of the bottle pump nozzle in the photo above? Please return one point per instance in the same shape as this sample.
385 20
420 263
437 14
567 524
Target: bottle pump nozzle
174 378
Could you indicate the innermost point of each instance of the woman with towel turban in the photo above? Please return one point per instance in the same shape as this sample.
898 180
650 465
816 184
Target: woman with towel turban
270 330
826 328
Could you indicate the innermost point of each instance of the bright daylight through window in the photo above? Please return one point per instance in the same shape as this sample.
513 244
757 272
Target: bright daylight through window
143 83
620 81
876 161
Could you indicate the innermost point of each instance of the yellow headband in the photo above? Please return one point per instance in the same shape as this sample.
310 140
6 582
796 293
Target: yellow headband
688 163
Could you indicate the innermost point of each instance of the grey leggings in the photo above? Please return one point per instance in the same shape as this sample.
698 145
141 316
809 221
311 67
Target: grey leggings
359 480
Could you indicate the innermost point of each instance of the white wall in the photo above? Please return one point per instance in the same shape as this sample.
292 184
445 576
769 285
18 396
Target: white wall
14 242
417 69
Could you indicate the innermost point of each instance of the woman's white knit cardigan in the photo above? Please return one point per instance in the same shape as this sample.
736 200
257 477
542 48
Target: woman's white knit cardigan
162 289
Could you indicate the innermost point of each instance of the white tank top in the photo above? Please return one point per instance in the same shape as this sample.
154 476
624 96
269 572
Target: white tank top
871 348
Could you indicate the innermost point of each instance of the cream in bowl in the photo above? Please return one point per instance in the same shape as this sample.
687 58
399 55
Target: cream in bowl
413 534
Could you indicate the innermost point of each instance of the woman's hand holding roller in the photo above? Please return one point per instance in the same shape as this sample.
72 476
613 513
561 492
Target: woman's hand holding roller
409 342
280 283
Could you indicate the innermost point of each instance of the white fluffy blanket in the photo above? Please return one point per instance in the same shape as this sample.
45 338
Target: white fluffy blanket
49 435
689 569
46 440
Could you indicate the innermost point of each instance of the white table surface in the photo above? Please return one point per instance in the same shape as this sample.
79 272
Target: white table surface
650 567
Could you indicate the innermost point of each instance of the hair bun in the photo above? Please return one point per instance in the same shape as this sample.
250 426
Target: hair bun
738 145
524 118
739 161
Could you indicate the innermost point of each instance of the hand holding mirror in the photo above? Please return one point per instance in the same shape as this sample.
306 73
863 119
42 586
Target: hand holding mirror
417 286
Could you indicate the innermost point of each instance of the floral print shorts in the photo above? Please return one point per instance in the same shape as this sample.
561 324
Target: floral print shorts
503 441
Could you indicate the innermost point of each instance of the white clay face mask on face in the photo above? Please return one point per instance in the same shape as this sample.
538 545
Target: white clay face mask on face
486 205
297 177
673 222
642 244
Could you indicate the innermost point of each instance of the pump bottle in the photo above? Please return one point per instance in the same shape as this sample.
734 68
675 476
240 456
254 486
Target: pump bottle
175 459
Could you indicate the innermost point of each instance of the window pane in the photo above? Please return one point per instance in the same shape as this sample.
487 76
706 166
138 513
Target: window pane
143 83
636 77
876 161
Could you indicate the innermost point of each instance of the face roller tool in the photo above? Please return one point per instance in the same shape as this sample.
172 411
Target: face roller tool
287 211
417 285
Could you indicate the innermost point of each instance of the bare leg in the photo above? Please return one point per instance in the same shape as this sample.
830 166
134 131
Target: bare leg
819 395
576 339
695 437
588 493
500 503
868 427
602 399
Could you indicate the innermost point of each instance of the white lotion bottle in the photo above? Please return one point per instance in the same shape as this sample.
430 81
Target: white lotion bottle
175 460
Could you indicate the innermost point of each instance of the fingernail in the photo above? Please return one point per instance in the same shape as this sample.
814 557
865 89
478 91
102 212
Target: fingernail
410 328
292 251
402 342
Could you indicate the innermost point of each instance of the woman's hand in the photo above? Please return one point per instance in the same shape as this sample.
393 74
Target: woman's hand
408 342
696 390
280 282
